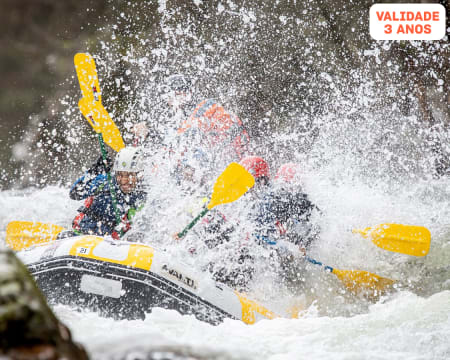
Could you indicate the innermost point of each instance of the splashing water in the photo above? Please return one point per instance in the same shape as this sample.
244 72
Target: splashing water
364 159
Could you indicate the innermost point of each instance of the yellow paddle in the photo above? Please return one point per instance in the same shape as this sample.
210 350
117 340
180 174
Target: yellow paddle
358 280
23 234
405 239
91 107
234 182
91 103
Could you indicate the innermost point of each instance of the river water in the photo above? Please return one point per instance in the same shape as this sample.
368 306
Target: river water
413 322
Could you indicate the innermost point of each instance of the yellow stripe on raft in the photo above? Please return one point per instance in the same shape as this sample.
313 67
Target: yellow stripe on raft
139 256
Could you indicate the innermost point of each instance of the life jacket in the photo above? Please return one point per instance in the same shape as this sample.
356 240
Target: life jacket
220 127
90 218
82 213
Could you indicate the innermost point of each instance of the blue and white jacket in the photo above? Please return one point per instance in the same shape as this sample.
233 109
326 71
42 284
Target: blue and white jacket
97 216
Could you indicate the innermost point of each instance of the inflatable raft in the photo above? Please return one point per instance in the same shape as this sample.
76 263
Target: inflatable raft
127 280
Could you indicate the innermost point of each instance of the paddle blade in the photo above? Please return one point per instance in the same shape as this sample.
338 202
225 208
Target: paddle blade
101 122
23 234
87 77
87 109
91 103
405 239
234 182
358 280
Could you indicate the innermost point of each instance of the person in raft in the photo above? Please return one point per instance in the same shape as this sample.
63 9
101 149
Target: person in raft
109 205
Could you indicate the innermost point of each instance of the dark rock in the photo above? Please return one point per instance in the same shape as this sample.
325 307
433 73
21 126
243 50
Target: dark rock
28 327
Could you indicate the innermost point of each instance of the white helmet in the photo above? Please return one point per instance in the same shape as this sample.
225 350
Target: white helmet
129 159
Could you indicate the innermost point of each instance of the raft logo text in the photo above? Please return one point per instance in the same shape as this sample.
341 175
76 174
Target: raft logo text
407 21
178 275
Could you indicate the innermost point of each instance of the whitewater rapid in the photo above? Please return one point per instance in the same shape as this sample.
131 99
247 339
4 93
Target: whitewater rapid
365 160
411 323
405 327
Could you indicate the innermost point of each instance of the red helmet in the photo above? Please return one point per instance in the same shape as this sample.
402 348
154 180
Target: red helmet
288 172
256 166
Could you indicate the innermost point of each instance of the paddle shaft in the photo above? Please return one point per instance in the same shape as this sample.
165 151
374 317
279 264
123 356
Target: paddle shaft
183 233
315 262
108 175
